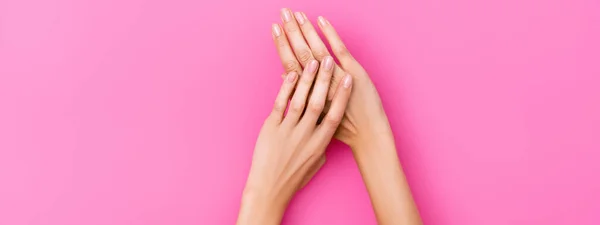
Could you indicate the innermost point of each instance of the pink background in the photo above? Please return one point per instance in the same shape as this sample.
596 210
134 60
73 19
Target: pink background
146 112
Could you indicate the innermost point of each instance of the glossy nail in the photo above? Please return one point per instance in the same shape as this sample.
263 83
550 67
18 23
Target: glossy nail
276 30
347 81
312 66
286 15
322 21
299 17
328 63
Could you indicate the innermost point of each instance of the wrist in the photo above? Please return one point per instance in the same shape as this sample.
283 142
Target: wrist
259 208
377 132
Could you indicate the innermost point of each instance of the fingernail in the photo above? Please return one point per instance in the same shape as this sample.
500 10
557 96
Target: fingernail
285 15
299 17
312 66
322 21
347 81
276 30
328 61
291 77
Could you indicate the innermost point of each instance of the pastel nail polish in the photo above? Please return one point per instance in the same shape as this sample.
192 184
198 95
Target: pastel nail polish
299 17
276 30
322 21
328 63
347 81
286 15
312 66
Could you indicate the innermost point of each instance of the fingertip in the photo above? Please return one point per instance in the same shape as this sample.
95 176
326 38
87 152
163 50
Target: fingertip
313 65
304 15
347 83
276 30
328 63
322 21
299 17
286 15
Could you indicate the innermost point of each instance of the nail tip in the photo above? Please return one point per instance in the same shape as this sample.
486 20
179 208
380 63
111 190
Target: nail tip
347 81
276 29
322 21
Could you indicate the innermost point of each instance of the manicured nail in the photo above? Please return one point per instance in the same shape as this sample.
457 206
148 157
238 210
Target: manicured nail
286 15
276 30
328 63
322 21
347 81
312 66
299 17
291 77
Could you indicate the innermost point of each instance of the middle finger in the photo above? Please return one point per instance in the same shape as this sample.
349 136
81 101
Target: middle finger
295 37
319 50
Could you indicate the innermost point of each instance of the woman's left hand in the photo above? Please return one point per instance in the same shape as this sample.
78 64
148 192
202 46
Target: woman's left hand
290 147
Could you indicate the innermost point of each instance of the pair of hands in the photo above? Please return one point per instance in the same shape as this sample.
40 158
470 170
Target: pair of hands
327 101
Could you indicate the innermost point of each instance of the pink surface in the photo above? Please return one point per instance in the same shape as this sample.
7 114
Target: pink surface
146 112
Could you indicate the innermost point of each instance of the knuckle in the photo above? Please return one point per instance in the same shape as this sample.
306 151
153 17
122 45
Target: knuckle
297 107
341 51
324 78
332 121
304 55
291 28
291 65
279 107
308 79
320 54
316 107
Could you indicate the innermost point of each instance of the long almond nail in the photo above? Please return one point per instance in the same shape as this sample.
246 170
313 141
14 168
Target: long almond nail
328 63
285 15
347 81
312 66
291 77
276 30
322 21
299 17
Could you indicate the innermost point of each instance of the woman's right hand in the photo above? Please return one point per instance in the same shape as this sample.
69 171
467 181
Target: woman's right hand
298 43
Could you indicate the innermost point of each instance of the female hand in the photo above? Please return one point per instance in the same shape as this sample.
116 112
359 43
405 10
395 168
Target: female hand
298 43
290 145
364 127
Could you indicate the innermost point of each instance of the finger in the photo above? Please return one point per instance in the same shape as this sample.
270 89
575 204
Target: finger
337 46
294 35
298 101
313 171
317 46
281 101
319 50
288 59
316 103
333 118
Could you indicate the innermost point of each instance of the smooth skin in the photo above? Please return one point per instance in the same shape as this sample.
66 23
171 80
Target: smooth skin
290 145
363 126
